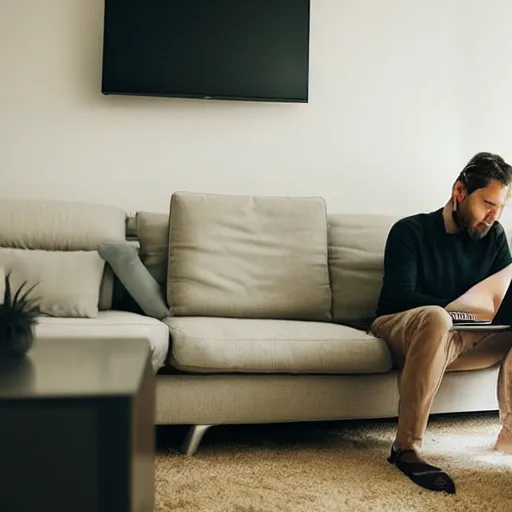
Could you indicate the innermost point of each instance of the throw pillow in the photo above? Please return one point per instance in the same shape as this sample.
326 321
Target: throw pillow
68 282
135 277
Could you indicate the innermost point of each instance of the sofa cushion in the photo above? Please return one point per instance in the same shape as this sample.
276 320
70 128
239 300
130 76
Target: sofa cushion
219 345
135 277
249 257
59 225
110 325
153 235
356 264
67 282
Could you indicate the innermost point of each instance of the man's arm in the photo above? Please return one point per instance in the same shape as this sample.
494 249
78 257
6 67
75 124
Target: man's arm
401 263
485 297
476 301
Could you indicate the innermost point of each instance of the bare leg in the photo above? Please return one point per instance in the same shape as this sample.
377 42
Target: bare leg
504 441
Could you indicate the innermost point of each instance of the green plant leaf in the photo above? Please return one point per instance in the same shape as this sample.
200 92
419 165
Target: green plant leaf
7 292
21 299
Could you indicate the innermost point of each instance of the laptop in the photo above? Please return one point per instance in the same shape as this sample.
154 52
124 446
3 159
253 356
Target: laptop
502 320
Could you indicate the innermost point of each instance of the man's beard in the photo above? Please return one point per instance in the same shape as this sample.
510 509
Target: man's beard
464 226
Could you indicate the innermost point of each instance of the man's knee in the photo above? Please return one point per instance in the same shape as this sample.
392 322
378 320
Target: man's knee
435 320
429 330
407 325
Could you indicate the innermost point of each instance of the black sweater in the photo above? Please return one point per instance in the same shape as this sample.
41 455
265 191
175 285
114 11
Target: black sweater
424 265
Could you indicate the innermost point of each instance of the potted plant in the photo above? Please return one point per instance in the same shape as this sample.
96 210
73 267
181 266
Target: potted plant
18 316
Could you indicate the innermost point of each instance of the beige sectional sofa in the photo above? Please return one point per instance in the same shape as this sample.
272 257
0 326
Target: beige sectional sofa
263 296
54 243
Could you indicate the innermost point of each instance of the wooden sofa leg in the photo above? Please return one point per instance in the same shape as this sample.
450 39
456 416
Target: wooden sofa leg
193 438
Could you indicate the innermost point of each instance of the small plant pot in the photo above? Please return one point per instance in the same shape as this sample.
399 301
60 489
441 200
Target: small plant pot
19 344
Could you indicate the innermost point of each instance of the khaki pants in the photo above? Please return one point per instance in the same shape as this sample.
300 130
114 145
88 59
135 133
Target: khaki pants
424 346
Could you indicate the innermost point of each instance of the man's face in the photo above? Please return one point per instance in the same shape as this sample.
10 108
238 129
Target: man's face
478 211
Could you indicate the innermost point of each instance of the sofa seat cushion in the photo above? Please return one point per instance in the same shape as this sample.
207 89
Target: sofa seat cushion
219 345
108 325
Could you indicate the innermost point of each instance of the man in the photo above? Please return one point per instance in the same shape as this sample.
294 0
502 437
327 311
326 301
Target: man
453 259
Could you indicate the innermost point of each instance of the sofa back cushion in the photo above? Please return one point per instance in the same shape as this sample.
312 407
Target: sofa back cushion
356 263
59 225
63 226
248 257
153 236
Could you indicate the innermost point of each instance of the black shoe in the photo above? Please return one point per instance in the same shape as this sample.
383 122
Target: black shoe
421 473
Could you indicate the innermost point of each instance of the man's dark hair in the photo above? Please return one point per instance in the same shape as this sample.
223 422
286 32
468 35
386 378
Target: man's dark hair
483 168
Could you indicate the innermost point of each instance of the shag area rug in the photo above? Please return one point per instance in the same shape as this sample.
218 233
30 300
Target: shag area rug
330 466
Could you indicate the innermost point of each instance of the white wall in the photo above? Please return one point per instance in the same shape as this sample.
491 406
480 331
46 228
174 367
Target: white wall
402 94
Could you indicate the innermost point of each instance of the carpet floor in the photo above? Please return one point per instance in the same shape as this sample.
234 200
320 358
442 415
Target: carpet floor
330 466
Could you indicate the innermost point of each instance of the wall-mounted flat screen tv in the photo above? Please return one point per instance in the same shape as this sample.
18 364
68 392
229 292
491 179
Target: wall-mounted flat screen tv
226 49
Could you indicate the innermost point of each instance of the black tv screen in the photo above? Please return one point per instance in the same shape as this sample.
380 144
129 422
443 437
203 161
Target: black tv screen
225 49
